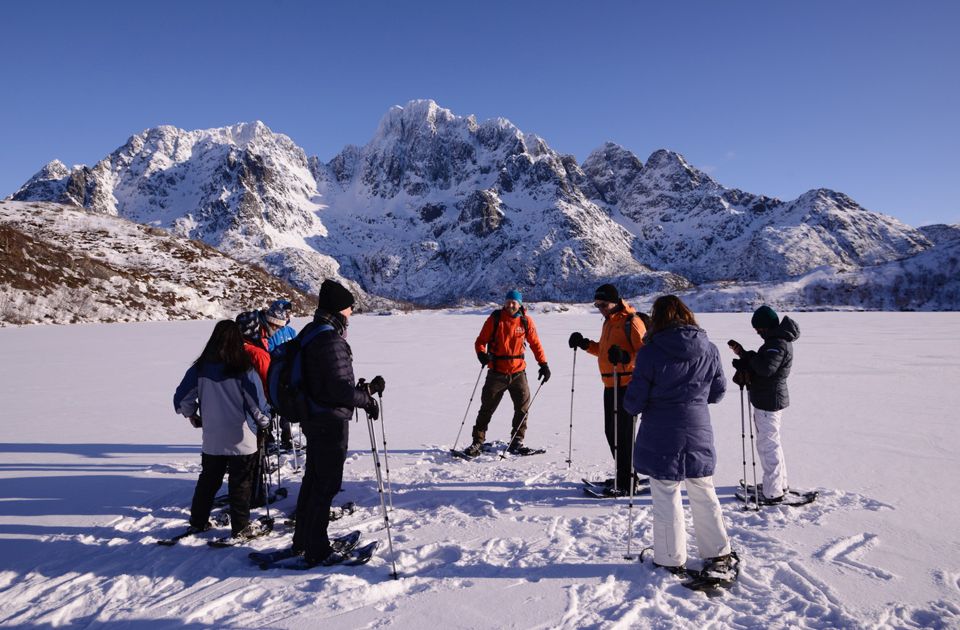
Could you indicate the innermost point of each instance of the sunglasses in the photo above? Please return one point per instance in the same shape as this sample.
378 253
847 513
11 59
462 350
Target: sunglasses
603 305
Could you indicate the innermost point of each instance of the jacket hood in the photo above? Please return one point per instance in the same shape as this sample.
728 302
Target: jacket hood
788 330
681 342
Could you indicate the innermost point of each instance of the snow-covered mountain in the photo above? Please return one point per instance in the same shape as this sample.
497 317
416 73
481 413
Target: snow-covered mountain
692 225
61 264
440 209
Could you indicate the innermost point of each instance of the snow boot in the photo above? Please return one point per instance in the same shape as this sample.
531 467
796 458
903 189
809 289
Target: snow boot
722 568
474 449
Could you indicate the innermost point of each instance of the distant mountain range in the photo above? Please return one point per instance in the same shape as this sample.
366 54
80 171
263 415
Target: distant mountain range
439 209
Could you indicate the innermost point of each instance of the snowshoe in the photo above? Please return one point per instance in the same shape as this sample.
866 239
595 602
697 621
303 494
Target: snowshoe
190 531
255 529
517 448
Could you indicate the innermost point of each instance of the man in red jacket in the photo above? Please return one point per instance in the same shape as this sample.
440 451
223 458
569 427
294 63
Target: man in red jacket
500 346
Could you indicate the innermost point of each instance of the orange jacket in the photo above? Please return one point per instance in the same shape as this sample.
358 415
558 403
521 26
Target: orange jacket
614 333
507 346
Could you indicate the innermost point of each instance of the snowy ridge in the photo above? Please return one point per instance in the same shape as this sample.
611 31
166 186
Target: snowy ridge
692 225
440 209
61 265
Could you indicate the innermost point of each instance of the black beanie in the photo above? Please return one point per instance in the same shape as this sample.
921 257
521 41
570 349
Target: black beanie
765 317
334 297
607 293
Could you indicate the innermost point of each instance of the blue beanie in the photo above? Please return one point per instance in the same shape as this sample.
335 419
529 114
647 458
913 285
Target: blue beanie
765 317
514 295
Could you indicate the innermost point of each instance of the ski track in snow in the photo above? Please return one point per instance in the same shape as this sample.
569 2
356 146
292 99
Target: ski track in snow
581 550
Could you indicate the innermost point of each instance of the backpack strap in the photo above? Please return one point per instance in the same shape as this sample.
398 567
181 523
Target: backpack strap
627 327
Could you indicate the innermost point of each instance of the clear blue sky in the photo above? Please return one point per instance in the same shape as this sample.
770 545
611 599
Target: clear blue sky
771 97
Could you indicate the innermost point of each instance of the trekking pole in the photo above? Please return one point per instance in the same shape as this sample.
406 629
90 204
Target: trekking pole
265 479
522 421
296 450
573 380
753 461
475 385
616 428
386 459
276 442
383 503
743 448
633 483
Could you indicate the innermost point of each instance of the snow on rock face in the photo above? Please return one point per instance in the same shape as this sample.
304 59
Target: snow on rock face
692 225
440 209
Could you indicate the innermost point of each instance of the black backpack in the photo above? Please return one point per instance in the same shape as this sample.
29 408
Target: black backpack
285 389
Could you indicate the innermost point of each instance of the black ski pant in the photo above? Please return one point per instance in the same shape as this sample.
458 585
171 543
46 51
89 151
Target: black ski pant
322 478
493 389
241 469
624 436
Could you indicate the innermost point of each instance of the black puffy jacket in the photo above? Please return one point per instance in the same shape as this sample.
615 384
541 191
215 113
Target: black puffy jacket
770 367
328 372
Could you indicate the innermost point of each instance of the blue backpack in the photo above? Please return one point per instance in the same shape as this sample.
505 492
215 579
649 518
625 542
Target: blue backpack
285 388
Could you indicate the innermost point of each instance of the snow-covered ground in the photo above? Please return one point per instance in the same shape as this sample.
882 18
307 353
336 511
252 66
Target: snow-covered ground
96 466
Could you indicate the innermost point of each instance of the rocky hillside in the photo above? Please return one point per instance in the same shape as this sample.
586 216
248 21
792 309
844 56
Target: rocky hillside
60 264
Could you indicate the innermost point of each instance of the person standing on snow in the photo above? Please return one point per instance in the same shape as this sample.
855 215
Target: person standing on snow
277 331
223 384
276 321
767 370
677 374
620 339
333 394
254 344
500 346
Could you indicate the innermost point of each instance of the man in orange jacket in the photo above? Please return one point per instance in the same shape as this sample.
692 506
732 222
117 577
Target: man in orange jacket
500 346
620 338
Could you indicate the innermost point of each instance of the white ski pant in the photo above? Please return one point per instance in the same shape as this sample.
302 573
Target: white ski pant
669 527
771 452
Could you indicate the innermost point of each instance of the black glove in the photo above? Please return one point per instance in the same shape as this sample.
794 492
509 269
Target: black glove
372 408
196 421
617 355
575 340
544 373
742 378
376 385
735 346
484 357
741 364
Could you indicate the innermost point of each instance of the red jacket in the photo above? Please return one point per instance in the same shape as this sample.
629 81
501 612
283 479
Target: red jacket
507 344
260 358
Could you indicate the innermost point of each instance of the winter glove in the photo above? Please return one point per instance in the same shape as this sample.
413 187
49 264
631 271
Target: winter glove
578 340
484 358
196 421
742 378
377 385
741 364
617 355
544 373
736 347
372 409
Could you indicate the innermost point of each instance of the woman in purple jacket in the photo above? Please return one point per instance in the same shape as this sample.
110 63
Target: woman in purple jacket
677 374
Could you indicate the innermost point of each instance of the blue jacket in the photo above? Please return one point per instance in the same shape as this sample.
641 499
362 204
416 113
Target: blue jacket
231 407
677 374
280 337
